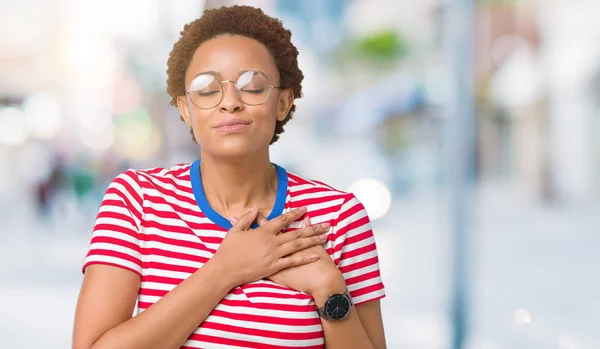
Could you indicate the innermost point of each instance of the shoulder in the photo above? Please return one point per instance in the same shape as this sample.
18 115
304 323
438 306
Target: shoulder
175 172
135 180
317 192
178 175
300 185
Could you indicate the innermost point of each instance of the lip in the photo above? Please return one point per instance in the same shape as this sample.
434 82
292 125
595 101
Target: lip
232 125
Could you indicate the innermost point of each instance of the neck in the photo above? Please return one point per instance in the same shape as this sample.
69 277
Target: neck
233 185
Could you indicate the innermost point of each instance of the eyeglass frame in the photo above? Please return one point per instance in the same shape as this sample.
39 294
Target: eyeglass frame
221 82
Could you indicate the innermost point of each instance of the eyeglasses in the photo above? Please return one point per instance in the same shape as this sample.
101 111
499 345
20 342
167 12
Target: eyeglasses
252 88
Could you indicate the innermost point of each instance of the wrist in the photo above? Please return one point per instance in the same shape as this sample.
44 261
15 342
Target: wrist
220 274
334 285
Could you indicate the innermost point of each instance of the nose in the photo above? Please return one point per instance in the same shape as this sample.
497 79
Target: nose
230 102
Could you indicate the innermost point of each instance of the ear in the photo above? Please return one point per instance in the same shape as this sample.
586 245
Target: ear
286 101
182 105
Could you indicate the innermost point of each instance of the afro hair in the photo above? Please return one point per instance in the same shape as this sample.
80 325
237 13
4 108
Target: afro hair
237 20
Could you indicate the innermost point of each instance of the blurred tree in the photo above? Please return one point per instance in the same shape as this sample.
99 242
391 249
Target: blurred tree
376 54
387 44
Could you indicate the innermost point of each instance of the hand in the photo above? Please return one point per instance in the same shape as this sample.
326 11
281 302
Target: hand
320 277
252 254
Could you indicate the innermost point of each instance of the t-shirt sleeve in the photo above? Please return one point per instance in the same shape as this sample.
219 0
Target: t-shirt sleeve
355 252
115 237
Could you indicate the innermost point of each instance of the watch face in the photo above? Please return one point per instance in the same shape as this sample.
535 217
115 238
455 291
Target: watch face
337 307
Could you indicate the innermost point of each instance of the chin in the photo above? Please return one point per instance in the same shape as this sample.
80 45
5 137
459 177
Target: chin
233 147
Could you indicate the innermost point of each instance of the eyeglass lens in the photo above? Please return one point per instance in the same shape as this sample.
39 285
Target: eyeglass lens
251 87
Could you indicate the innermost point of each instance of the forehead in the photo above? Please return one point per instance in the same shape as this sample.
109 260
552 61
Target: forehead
228 55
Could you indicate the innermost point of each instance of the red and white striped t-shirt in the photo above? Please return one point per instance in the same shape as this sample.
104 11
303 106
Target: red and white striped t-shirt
157 223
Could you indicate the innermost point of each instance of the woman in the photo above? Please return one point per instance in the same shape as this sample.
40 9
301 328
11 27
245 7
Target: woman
294 264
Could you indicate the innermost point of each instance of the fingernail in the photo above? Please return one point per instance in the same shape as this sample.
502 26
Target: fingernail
233 220
323 237
302 209
307 221
314 256
253 208
325 225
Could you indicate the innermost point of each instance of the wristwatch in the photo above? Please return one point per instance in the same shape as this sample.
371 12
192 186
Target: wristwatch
337 307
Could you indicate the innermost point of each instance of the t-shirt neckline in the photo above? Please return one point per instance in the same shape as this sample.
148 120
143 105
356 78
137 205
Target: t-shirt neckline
215 217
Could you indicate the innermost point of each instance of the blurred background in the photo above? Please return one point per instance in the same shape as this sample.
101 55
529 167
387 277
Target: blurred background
385 111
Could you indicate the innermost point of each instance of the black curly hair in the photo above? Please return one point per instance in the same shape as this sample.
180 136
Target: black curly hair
247 21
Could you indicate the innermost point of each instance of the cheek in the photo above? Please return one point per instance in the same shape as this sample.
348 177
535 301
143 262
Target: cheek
267 120
272 110
200 126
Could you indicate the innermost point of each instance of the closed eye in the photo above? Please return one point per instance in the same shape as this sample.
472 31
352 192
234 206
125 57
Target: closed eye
256 92
206 93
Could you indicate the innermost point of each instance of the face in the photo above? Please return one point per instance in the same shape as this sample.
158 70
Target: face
233 128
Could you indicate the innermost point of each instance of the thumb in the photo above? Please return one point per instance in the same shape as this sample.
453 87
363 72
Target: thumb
245 221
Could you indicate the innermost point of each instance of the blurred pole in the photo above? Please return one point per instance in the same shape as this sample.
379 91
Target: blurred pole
459 135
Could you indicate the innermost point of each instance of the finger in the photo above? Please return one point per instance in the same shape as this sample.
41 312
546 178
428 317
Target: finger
277 224
294 261
300 244
303 233
246 220
261 220
233 220
306 222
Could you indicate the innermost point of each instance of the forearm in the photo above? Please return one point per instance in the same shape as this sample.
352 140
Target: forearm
170 321
348 333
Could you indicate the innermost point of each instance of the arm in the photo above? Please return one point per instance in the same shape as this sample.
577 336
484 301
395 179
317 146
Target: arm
355 253
361 329
353 265
103 316
113 266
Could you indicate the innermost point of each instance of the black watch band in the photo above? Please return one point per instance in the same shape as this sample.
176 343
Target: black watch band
336 307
